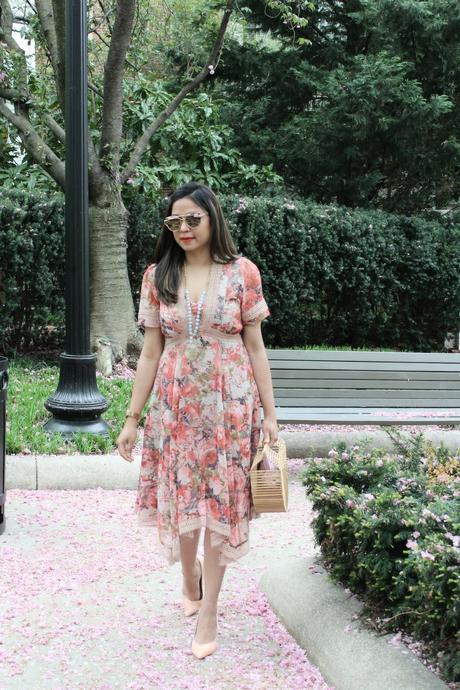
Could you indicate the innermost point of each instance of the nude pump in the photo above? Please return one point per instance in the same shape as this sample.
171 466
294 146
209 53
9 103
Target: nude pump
190 607
200 650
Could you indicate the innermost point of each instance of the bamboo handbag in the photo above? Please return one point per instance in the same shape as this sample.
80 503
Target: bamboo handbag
269 478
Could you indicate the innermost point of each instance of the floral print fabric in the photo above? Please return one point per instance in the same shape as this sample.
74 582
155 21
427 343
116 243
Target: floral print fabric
203 424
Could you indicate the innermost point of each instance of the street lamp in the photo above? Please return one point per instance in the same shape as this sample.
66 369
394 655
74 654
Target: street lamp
77 404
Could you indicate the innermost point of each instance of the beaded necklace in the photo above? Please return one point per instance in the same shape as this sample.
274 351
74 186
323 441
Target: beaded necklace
193 328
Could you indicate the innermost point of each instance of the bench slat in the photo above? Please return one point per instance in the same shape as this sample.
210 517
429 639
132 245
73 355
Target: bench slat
364 366
352 384
335 401
366 416
352 375
364 356
313 394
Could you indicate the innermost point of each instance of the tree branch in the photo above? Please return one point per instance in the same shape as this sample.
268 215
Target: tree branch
106 15
213 60
58 131
112 115
35 145
55 127
58 10
31 140
6 27
12 95
46 16
106 43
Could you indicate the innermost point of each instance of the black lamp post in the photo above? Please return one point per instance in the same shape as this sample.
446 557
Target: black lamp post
77 404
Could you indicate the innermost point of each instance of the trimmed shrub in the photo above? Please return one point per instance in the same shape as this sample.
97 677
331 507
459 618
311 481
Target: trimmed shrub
389 529
31 271
331 275
338 276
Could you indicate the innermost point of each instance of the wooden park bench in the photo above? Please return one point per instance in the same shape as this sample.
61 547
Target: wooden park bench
354 387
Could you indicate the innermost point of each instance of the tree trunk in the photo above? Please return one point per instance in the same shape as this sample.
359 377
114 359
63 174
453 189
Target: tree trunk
111 303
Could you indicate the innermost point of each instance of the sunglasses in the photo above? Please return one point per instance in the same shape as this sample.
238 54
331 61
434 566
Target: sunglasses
192 220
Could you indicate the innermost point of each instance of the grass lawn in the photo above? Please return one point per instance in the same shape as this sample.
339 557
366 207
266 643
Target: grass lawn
31 382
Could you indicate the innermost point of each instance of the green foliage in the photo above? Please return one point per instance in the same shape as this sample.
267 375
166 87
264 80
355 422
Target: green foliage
366 114
331 275
31 278
27 177
389 528
191 144
335 276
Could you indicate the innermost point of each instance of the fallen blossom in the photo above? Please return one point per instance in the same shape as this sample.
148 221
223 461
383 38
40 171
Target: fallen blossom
86 591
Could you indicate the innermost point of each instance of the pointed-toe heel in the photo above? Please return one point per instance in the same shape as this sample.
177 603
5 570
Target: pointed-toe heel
190 607
206 648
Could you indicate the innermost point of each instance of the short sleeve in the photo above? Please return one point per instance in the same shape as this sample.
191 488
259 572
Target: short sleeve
149 304
254 307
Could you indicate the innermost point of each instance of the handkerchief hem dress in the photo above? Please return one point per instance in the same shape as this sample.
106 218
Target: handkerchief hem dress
203 424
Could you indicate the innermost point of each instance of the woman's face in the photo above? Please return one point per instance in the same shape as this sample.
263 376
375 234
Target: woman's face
191 238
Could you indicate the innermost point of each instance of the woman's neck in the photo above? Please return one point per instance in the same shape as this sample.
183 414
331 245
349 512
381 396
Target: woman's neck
200 260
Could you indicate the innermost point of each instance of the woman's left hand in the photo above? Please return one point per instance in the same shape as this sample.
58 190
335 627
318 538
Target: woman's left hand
270 430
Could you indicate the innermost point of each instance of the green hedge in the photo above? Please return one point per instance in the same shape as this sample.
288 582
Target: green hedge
338 276
389 529
31 271
331 275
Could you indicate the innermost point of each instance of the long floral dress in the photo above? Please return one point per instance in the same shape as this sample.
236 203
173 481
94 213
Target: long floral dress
204 423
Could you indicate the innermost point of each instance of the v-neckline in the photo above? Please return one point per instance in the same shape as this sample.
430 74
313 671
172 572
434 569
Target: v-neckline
213 267
211 296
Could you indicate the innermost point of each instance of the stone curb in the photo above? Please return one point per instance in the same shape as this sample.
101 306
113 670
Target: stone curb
300 444
112 472
316 611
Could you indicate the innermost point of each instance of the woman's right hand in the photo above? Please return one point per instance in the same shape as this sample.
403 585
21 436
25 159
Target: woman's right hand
127 439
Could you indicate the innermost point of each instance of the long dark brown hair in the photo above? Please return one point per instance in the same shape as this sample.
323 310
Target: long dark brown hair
169 256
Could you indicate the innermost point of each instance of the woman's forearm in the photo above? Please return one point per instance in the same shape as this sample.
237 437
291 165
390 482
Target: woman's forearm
263 378
143 383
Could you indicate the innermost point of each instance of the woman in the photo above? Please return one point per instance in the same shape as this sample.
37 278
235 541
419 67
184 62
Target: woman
204 356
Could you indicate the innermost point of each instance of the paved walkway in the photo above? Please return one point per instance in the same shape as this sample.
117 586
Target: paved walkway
89 604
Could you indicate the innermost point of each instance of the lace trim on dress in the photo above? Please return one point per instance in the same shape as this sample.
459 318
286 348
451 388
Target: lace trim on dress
257 310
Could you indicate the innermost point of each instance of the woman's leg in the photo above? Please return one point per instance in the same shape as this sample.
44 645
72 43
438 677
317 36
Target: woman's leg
190 567
213 577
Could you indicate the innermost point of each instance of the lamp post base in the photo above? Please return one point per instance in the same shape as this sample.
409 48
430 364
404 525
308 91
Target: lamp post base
77 403
68 427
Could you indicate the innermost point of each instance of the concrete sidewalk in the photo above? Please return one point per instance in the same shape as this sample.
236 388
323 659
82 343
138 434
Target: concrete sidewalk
88 602
281 565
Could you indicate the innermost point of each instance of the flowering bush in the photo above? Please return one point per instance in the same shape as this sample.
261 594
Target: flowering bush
389 529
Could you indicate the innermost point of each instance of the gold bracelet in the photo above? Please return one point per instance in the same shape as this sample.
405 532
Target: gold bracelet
130 413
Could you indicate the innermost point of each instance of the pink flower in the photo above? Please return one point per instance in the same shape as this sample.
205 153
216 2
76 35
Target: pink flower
427 554
455 538
2 76
349 503
411 544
